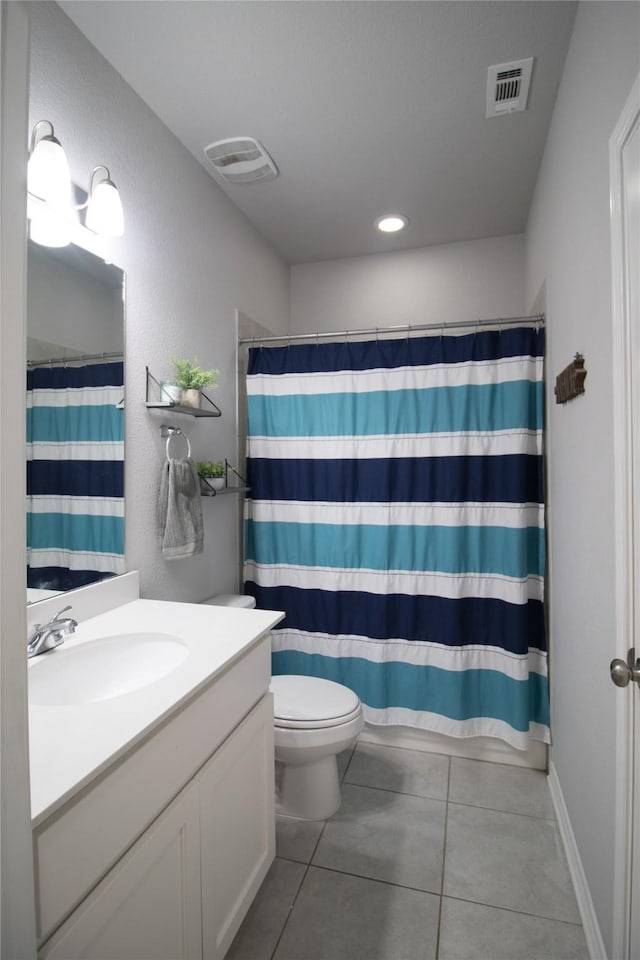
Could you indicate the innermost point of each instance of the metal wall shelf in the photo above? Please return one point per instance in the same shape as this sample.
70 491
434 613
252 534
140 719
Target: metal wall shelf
215 493
162 402
207 490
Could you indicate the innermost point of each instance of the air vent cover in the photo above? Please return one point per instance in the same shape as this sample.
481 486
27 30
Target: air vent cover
241 160
508 87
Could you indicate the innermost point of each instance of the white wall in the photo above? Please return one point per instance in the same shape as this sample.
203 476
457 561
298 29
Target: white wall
190 258
568 250
453 282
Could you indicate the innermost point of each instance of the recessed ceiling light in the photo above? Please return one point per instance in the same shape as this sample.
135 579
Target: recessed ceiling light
392 223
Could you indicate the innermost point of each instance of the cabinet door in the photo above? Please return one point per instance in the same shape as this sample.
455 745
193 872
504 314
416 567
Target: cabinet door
148 907
237 820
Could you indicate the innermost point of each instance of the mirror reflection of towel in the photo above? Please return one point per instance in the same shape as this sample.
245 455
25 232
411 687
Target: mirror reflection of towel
180 526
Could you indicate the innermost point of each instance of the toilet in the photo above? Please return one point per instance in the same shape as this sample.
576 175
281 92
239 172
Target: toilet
314 721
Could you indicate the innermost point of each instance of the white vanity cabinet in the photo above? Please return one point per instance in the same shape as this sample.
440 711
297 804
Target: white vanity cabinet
160 858
148 906
237 823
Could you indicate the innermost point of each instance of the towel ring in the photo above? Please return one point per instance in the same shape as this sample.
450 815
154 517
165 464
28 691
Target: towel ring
177 433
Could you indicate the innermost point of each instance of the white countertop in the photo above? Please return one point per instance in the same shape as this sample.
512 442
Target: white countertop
70 745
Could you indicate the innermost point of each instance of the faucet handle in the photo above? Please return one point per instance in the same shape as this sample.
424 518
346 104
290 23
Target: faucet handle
64 610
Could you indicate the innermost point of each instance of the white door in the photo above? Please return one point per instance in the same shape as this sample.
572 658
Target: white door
624 154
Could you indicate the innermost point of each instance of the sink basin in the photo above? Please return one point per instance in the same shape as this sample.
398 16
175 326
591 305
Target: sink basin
104 668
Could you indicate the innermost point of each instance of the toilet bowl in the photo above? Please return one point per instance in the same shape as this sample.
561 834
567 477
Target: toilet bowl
314 721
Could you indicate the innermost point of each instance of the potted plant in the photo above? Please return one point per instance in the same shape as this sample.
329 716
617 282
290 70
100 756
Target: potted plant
213 473
192 379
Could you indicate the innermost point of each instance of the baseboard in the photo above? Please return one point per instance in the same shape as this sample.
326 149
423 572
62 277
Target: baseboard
595 943
471 748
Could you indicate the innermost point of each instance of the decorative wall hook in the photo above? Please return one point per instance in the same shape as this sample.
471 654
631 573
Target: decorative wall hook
570 381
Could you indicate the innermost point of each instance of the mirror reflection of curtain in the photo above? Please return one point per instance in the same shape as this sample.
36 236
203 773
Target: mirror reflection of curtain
75 474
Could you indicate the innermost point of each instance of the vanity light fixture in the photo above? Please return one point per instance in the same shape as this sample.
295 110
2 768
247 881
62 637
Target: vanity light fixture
104 207
49 183
50 228
52 212
391 223
48 177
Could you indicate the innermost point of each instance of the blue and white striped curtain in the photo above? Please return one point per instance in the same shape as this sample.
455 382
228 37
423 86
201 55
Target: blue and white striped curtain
397 517
75 474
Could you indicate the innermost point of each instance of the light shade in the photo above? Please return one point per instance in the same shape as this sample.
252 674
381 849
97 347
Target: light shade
48 176
104 207
391 223
49 229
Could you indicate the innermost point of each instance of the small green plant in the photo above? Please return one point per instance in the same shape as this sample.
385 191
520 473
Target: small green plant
191 376
207 468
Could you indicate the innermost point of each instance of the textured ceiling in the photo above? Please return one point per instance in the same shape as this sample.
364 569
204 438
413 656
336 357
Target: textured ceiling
366 107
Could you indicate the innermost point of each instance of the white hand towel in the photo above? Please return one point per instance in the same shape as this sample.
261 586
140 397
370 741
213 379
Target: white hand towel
180 526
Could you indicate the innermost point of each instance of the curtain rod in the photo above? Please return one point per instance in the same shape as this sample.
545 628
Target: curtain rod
538 318
79 359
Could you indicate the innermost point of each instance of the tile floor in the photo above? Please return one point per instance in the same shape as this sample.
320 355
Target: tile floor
429 858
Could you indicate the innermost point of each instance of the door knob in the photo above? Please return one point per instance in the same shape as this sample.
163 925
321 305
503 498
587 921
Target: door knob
622 673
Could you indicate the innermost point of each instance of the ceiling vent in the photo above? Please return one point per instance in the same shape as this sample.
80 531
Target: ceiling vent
508 87
241 160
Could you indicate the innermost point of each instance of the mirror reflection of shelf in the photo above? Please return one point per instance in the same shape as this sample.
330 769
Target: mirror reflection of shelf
208 490
164 402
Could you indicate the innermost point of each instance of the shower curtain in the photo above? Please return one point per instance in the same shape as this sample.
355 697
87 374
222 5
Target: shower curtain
75 474
396 515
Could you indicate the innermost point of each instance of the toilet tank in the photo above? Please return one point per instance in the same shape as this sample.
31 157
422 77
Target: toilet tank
231 600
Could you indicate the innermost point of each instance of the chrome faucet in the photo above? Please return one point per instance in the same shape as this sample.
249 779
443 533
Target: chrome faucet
50 635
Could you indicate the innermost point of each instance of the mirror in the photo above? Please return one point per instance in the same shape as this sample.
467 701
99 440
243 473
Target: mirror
75 420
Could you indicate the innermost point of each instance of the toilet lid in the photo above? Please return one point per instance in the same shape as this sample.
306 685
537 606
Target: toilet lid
310 702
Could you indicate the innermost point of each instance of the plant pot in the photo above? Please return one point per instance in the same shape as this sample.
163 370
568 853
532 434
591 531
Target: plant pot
170 391
207 484
192 398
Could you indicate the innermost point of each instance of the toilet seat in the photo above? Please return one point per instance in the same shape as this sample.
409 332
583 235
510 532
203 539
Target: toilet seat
316 724
311 703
